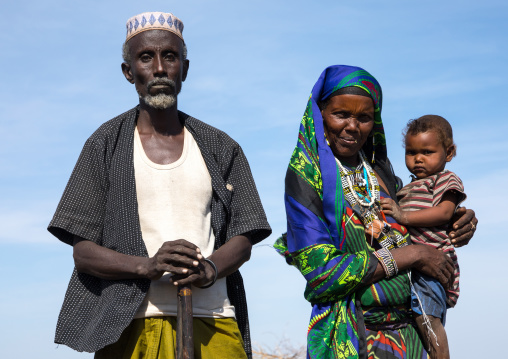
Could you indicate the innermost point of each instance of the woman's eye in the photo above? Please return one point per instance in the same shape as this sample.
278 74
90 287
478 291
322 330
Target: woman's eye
365 118
341 114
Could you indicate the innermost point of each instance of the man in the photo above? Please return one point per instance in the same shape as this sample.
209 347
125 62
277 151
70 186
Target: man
157 199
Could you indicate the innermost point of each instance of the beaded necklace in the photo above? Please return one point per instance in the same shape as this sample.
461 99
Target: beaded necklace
361 184
361 190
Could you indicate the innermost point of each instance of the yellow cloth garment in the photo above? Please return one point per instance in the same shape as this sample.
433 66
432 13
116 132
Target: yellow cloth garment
155 338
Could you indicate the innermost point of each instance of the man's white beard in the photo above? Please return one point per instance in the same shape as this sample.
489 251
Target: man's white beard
161 101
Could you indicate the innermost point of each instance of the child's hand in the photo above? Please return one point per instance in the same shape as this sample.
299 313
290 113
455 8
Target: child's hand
392 209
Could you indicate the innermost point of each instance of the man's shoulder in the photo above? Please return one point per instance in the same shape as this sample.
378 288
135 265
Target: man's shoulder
210 135
112 128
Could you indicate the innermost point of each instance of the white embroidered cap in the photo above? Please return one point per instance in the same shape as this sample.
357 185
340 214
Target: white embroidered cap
154 21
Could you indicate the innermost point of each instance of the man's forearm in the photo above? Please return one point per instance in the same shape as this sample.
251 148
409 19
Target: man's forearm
105 263
230 257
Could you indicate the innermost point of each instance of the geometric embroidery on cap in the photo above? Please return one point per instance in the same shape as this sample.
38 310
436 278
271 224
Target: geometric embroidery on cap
162 20
156 21
152 20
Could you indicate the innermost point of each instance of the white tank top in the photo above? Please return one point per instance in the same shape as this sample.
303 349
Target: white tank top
174 202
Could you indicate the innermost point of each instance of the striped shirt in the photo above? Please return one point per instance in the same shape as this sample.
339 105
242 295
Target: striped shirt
426 193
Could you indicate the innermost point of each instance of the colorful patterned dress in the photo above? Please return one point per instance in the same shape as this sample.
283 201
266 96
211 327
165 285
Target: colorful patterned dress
326 242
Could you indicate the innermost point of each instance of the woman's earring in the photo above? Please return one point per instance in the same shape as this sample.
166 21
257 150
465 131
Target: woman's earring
373 148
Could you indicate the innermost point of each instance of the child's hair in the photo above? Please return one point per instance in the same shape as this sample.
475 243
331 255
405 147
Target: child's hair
433 123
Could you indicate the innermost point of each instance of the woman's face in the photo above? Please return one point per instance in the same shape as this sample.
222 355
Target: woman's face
348 121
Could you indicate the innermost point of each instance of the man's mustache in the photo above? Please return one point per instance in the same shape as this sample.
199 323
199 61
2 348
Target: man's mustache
161 81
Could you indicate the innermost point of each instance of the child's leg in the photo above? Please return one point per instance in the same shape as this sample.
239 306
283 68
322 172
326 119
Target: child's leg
437 350
429 297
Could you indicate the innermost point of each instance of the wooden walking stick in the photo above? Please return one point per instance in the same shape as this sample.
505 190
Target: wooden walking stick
184 340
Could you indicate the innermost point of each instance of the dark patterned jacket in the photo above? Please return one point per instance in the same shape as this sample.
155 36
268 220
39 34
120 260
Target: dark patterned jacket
99 204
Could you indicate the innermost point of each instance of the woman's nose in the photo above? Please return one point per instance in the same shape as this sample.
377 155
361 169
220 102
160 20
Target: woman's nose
352 124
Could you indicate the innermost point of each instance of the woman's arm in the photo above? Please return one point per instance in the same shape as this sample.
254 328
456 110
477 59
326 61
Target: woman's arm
425 259
331 273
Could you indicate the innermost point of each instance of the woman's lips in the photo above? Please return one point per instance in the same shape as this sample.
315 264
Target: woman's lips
348 140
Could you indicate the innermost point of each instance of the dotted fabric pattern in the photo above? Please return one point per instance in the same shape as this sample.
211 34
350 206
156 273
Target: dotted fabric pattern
99 204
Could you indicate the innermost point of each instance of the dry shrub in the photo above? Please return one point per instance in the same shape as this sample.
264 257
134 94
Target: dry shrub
284 350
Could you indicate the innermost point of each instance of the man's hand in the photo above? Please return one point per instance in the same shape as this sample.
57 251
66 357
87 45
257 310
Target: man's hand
392 209
228 258
463 226
198 276
179 257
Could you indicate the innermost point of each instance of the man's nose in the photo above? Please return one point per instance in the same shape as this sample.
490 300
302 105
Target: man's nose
158 65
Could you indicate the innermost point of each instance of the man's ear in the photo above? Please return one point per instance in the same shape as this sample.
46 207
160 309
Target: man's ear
126 69
185 69
450 152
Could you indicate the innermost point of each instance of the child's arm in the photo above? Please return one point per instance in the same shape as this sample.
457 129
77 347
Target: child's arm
428 217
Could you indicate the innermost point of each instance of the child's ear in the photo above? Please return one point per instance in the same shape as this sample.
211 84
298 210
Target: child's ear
450 152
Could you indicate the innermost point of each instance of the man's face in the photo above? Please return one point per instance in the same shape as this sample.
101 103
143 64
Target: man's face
156 67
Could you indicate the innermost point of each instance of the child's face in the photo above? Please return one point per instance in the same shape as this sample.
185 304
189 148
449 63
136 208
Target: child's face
425 154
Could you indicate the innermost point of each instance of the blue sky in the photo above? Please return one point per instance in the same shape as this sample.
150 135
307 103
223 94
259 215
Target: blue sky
252 67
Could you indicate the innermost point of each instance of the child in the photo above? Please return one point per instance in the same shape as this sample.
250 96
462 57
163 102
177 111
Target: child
427 205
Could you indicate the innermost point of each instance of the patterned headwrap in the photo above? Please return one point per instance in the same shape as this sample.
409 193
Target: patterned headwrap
316 241
312 146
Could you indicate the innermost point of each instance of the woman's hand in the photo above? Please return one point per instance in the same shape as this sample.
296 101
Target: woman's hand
464 225
426 259
434 263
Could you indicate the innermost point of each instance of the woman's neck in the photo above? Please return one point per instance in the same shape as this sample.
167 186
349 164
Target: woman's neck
352 161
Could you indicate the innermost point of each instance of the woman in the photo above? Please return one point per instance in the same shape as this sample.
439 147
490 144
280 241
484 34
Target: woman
357 279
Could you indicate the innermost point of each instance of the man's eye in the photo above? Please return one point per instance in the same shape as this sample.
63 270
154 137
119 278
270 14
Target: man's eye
170 57
145 58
